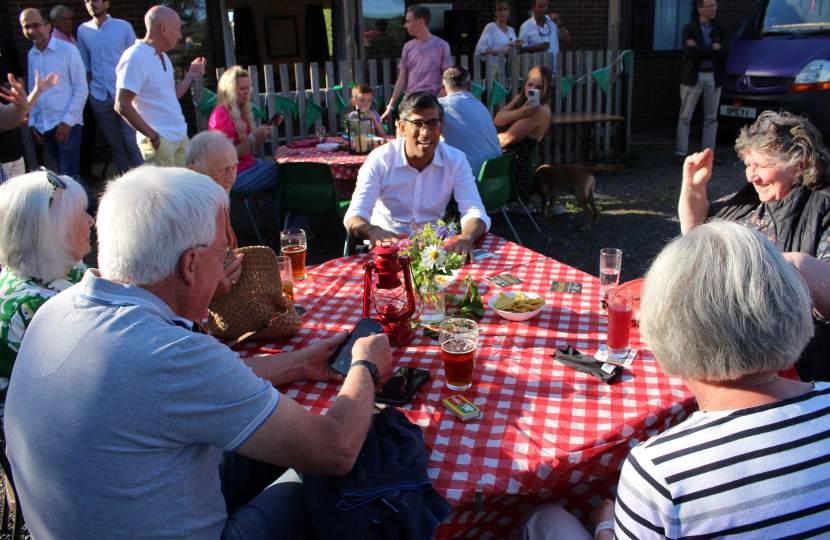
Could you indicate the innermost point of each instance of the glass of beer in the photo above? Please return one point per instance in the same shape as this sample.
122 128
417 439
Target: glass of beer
293 244
286 276
620 311
459 339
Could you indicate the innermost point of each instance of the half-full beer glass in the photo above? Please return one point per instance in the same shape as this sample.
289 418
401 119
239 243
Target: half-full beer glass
293 244
459 340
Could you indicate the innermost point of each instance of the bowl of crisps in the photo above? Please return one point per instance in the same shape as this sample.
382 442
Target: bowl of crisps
516 305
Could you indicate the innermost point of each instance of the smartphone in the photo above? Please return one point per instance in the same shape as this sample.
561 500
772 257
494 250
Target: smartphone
401 386
274 119
341 360
533 97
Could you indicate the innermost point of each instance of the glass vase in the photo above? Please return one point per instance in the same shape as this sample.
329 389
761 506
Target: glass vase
432 296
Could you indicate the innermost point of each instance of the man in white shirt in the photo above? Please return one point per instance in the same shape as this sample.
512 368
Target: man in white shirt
541 33
101 43
412 179
56 119
147 95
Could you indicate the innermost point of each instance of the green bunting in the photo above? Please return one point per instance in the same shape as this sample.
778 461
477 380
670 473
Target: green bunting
339 103
208 103
498 93
627 61
286 105
312 113
476 90
259 113
601 76
566 85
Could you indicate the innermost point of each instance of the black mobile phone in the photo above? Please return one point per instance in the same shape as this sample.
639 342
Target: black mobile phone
274 119
341 360
401 386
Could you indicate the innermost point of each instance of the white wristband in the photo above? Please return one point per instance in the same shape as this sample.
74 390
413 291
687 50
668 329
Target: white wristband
252 138
603 526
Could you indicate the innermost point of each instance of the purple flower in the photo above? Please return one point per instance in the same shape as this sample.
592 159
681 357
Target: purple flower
443 231
412 224
453 229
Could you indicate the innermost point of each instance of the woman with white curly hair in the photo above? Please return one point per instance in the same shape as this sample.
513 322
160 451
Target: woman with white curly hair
44 234
787 200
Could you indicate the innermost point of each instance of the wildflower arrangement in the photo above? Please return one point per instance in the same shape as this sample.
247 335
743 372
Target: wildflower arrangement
425 248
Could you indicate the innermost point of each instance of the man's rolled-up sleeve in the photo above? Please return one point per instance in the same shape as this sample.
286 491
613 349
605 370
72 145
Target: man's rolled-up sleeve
367 190
466 194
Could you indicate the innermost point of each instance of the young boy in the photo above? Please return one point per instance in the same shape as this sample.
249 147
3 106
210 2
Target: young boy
362 101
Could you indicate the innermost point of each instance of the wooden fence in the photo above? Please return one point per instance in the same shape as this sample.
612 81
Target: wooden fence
562 144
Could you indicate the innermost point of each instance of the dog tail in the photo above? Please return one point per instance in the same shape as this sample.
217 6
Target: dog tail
601 167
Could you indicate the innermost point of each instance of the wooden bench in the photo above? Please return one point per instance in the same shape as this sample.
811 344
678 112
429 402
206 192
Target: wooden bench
584 117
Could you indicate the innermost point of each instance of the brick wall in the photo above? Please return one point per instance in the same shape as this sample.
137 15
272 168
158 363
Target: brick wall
657 78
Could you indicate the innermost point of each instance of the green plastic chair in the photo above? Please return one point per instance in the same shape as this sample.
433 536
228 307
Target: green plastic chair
496 186
309 189
245 195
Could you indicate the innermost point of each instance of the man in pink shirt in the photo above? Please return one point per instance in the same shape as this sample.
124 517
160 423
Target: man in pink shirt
423 59
61 17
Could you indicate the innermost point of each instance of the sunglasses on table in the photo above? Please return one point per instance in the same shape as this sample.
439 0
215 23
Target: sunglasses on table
54 180
228 254
433 125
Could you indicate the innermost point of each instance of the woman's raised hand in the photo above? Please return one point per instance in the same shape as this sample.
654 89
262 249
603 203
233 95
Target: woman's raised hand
261 133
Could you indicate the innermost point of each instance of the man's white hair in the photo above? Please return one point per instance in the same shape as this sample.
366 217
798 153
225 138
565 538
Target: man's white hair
203 146
149 217
57 11
34 236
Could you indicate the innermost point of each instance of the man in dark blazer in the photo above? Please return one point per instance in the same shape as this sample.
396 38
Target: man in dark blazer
706 46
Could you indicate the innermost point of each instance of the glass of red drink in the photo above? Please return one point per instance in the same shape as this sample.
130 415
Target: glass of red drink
293 245
459 340
286 276
620 310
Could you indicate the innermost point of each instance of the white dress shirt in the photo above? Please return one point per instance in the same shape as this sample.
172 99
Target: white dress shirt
101 48
532 34
150 77
389 190
65 101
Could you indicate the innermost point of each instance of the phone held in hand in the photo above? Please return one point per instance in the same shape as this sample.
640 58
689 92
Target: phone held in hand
275 119
533 97
341 360
401 386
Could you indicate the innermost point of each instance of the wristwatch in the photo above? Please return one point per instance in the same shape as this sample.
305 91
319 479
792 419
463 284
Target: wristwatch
154 139
603 526
373 369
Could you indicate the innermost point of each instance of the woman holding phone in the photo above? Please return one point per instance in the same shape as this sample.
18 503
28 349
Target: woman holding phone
527 118
233 117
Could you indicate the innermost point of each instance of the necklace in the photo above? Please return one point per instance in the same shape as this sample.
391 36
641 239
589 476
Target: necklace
742 386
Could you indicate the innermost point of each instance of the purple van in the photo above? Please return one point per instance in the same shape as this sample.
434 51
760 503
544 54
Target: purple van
780 60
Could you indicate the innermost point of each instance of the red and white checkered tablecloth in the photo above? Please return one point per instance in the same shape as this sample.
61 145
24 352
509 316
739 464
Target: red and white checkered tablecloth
344 166
547 433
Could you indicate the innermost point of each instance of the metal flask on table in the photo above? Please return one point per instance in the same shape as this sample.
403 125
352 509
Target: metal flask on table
361 133
388 296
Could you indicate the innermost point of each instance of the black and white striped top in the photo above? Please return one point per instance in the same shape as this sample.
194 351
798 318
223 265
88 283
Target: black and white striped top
762 472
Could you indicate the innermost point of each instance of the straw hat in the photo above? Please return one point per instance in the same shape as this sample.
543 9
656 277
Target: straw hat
256 303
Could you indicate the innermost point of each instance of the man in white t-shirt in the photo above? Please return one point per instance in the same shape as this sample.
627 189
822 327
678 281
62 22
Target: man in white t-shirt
541 33
147 95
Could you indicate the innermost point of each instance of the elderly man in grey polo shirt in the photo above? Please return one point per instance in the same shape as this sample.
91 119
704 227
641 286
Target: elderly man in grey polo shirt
467 123
128 411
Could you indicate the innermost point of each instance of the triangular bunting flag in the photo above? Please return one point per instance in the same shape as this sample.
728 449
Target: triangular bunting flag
498 93
627 61
312 113
259 113
339 103
601 76
208 103
476 90
566 86
286 105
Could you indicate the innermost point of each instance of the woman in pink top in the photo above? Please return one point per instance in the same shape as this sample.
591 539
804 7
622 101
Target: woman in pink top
233 117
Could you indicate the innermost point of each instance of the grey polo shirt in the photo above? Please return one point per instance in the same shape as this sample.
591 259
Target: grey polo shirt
117 414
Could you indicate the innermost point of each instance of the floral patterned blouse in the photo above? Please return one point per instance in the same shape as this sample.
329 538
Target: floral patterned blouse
20 298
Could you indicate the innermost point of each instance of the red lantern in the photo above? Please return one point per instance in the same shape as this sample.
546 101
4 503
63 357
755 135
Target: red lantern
387 298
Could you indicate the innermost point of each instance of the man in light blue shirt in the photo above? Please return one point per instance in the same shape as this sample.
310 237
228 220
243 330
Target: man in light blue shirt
467 123
101 43
56 118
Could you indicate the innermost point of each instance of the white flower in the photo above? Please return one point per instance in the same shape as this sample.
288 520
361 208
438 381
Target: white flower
433 256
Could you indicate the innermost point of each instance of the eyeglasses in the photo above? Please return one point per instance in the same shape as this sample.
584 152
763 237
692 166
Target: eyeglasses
761 127
53 179
433 125
546 27
228 254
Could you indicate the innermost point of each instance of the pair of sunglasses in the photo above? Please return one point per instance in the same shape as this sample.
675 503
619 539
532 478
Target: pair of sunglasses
761 127
55 181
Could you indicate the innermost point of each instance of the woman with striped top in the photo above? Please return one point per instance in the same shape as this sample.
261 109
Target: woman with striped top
754 461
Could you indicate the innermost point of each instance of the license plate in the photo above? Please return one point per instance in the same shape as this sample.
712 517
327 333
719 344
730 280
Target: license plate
740 112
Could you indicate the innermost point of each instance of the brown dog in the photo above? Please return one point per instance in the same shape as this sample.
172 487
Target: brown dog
550 181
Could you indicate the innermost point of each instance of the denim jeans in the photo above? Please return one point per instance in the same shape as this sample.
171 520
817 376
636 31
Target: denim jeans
264 502
68 158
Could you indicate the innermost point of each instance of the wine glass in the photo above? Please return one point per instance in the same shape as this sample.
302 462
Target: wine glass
321 132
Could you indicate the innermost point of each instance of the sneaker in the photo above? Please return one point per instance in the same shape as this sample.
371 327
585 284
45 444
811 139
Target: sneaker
558 210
